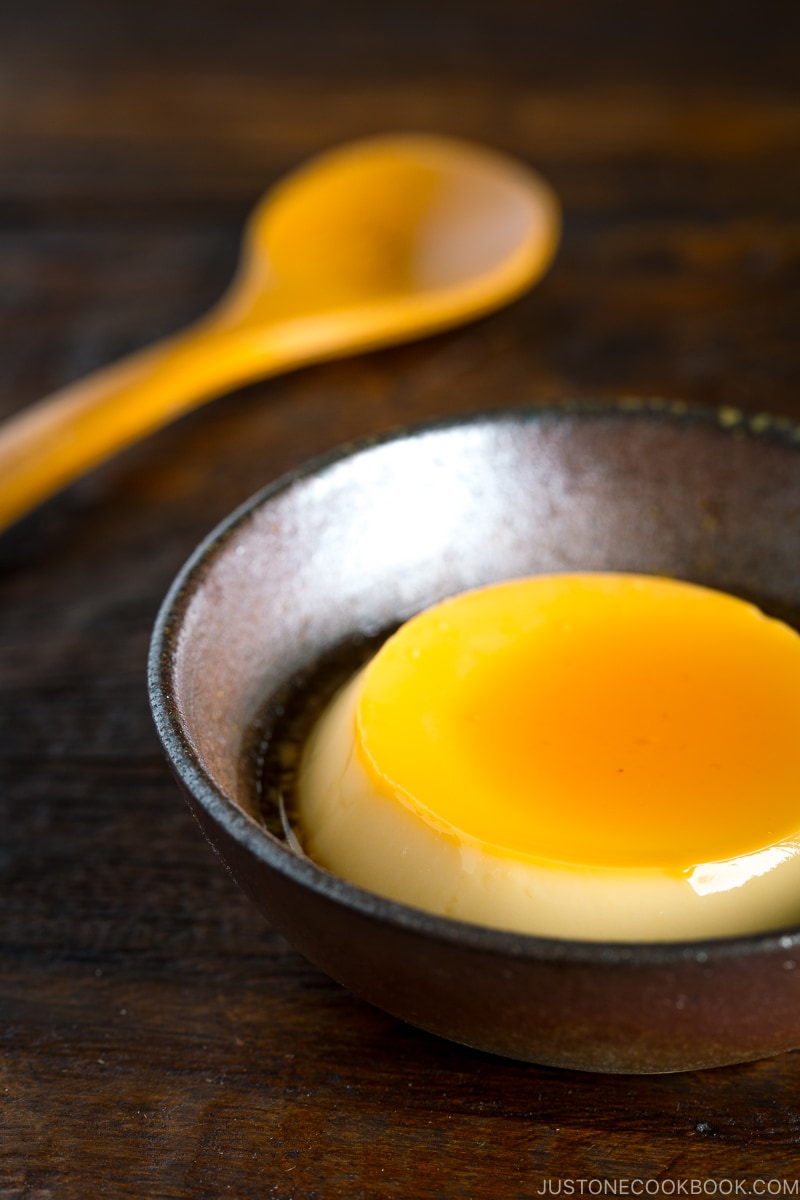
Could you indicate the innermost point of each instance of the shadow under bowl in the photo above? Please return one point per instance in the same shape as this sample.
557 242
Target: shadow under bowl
356 543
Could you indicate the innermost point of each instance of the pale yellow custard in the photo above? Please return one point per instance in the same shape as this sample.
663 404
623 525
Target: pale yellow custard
609 757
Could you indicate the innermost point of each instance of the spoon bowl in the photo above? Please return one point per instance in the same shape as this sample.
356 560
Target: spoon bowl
377 242
399 233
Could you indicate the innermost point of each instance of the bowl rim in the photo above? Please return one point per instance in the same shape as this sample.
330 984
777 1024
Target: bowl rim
277 855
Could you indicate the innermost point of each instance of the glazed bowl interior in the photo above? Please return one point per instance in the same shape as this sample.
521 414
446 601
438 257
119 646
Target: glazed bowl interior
349 547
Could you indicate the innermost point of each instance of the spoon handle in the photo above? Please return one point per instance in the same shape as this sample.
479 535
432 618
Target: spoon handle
56 440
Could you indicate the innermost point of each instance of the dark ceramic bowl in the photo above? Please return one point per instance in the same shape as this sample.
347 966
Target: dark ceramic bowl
358 542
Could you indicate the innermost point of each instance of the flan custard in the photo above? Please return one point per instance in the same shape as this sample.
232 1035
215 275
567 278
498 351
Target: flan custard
599 756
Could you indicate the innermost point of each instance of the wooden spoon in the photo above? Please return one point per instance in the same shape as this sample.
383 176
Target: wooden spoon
378 241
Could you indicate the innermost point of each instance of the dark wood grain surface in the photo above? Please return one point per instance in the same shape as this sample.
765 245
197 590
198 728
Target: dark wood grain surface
158 1039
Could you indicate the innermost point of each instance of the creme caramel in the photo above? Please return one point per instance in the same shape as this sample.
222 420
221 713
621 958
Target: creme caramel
597 756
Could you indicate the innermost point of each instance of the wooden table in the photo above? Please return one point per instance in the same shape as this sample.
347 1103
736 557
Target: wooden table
159 1040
